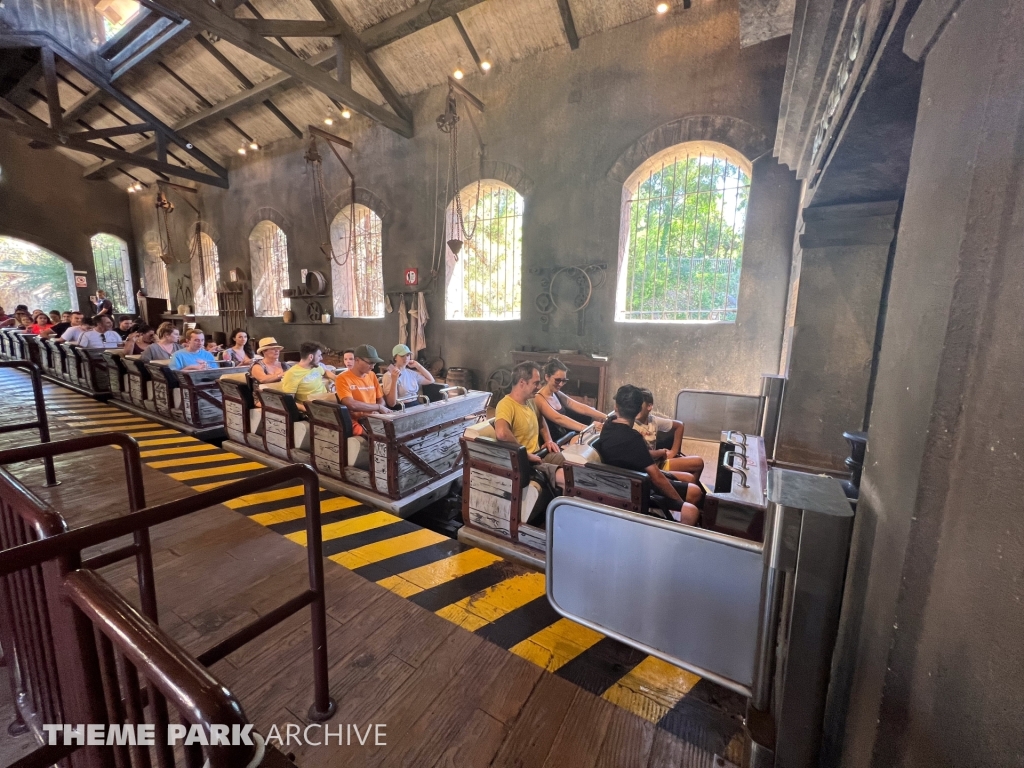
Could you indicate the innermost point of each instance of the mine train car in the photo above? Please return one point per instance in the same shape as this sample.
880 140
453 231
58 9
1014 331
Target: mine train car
503 502
403 461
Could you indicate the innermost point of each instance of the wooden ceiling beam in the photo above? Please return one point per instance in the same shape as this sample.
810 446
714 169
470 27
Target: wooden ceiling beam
99 79
49 63
568 24
290 28
207 16
229 106
43 135
355 49
420 16
106 133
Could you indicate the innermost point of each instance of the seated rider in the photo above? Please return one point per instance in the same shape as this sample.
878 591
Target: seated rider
650 425
102 337
268 368
306 378
192 357
404 378
79 325
516 421
558 408
622 446
358 388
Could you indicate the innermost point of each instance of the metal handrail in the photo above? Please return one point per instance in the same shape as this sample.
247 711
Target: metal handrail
27 555
177 677
40 423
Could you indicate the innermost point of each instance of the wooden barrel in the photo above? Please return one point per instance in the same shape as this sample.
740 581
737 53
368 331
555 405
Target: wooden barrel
460 377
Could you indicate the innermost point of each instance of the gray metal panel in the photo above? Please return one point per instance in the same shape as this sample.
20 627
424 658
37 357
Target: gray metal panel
801 490
708 414
686 595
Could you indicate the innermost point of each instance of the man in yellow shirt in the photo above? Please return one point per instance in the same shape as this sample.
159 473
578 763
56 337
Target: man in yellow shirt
306 377
516 419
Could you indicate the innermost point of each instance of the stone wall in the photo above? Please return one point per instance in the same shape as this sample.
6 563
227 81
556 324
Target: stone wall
44 200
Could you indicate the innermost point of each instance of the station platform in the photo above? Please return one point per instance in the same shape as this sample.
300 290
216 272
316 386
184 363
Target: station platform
457 650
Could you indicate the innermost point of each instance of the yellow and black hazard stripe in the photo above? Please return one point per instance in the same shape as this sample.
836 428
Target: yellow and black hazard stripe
502 602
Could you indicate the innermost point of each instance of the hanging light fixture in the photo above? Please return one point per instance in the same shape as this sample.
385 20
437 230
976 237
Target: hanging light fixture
241 150
346 113
662 8
254 146
458 74
485 62
328 121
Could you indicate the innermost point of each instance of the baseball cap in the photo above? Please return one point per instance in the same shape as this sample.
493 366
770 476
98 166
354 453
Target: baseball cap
366 352
400 349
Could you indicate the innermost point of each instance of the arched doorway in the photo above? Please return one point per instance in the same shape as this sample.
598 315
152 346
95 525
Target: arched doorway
35 277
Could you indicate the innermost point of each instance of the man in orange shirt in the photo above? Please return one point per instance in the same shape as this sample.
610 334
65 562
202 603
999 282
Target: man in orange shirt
358 388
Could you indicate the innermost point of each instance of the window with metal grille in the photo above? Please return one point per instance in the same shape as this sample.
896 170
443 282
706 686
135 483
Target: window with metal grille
205 264
681 242
357 273
268 250
484 280
113 273
35 277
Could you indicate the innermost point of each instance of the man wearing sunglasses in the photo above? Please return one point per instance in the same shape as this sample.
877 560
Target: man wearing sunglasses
358 388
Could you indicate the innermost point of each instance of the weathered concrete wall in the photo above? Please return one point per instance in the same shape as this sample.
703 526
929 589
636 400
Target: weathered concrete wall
932 647
559 122
45 200
843 250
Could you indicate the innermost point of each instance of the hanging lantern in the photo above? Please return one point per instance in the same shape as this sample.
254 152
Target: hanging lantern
455 245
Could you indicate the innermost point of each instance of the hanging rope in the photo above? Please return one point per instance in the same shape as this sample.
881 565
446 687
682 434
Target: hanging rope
164 207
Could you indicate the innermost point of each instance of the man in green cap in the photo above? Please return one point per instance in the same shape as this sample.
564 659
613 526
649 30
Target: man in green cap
358 388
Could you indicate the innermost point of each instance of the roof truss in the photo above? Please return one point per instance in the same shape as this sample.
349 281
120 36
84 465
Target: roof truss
204 15
56 134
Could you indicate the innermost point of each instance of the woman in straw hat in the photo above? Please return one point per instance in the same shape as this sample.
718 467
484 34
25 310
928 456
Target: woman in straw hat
268 367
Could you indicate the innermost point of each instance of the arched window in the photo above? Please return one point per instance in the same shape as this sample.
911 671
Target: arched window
113 272
681 242
268 250
205 270
484 280
357 272
35 277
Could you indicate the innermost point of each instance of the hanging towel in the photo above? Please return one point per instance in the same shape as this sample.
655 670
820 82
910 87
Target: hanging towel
403 323
419 318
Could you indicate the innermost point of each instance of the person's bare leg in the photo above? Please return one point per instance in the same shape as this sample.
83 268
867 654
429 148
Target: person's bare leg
693 494
688 515
692 464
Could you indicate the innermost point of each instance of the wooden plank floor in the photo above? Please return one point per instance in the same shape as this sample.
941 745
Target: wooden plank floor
449 695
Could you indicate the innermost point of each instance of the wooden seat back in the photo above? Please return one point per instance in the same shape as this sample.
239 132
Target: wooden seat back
92 368
495 476
116 372
237 401
608 485
330 425
137 378
164 380
280 412
201 395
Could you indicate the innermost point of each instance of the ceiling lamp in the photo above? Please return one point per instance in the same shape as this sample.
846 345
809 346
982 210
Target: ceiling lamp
458 74
241 150
662 8
485 62
346 113
254 146
328 121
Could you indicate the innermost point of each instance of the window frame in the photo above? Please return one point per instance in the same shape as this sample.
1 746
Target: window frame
284 273
213 277
340 220
126 273
68 270
455 263
659 163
